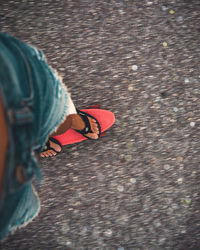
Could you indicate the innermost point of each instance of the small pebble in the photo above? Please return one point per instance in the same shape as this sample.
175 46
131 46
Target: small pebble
186 80
120 188
128 157
164 44
147 30
130 88
157 223
170 210
129 145
108 233
68 243
180 180
121 156
164 8
192 124
133 180
179 158
120 248
166 62
149 3
179 18
134 67
95 232
187 200
129 56
65 228
121 12
172 12
175 109
162 240
174 206
84 230
166 166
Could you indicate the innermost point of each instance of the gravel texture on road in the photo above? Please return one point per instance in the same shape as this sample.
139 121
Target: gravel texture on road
137 188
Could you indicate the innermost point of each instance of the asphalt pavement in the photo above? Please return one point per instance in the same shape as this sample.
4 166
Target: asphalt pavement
138 187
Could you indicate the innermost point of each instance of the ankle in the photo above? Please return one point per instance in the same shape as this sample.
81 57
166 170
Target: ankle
76 122
67 124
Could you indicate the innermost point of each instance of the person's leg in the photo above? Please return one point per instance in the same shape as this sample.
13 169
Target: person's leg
74 121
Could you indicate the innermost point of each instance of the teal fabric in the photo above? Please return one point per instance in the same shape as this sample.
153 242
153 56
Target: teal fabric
36 102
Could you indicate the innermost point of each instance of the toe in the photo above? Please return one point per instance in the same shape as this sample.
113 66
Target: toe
50 153
94 126
55 146
96 131
92 136
47 154
44 155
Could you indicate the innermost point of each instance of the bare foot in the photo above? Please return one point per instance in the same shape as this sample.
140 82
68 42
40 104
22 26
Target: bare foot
75 122
78 124
49 153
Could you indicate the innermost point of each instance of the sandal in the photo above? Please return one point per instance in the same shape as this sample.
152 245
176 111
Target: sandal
84 116
48 147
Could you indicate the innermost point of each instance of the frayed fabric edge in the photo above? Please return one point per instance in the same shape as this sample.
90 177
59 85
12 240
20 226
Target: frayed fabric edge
14 229
67 110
